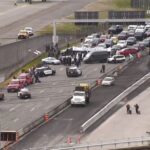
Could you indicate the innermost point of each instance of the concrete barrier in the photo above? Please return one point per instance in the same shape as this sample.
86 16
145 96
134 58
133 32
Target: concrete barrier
115 101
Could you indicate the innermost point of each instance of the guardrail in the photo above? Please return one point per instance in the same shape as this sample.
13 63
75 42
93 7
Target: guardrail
52 113
115 101
113 144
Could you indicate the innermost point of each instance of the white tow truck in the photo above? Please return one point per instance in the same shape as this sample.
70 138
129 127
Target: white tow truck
81 95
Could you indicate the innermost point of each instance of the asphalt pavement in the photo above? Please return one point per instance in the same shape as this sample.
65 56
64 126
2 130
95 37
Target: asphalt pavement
68 123
122 126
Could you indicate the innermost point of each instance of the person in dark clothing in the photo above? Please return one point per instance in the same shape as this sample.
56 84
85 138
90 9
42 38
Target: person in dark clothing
128 109
103 69
137 109
36 75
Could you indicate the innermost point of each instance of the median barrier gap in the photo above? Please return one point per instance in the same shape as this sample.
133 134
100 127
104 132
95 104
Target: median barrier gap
111 104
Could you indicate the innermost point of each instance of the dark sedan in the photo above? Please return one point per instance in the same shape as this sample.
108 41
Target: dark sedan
131 40
123 35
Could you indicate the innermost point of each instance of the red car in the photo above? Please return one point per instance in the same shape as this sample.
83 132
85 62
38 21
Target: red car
128 51
25 78
15 85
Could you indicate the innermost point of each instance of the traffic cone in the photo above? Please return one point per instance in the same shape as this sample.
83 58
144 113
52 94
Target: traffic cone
17 136
46 117
69 140
78 139
139 55
98 82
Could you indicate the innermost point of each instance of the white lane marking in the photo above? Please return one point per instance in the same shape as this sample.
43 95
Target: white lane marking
13 108
42 91
54 83
61 69
60 91
33 108
95 69
15 120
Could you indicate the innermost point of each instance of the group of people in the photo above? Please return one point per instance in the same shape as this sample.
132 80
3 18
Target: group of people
129 111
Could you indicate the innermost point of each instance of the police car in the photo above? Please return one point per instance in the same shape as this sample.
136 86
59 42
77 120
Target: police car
45 71
73 71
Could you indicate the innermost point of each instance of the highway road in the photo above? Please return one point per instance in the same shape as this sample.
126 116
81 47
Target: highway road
68 123
52 91
37 16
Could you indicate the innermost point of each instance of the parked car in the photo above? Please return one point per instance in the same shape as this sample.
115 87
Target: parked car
139 35
45 71
15 85
128 51
115 29
108 81
146 42
1 96
131 40
123 35
73 71
147 33
122 43
132 27
96 56
114 39
140 46
25 78
116 59
103 37
131 33
109 43
24 93
29 30
102 45
23 34
51 60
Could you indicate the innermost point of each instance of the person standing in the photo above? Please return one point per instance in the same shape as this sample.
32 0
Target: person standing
136 106
128 109
103 68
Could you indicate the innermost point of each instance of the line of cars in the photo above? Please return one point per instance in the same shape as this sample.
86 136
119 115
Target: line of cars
25 33
115 46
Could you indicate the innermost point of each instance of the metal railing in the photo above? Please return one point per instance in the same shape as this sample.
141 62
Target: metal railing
104 145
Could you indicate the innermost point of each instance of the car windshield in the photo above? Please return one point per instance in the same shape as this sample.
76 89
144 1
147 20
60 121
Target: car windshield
14 82
21 77
79 94
108 79
119 56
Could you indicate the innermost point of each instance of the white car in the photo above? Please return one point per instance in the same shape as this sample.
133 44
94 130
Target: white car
51 60
108 81
116 59
79 98
73 71
122 43
24 93
29 30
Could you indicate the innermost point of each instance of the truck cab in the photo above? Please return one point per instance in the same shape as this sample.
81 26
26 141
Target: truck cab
81 95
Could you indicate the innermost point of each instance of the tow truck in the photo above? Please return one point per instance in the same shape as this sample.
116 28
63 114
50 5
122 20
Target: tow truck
81 95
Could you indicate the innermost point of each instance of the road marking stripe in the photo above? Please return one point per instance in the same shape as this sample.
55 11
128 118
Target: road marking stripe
42 91
32 109
15 120
13 108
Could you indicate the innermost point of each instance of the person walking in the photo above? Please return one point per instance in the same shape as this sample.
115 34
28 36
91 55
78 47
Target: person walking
136 106
128 108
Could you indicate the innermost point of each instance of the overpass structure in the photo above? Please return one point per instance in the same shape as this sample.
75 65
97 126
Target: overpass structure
30 1
109 21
